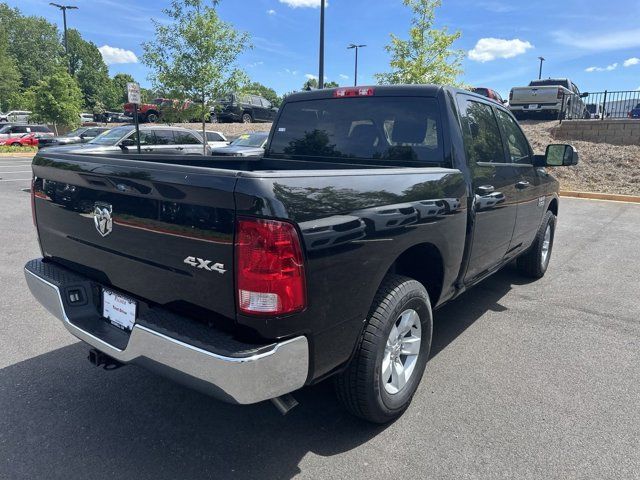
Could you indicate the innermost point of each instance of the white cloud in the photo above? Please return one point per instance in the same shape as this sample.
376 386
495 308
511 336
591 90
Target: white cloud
631 61
608 68
344 77
113 55
303 3
271 12
599 43
488 49
254 64
292 72
310 76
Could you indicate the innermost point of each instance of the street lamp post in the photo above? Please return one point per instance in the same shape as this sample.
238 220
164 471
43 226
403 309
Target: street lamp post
64 9
355 76
542 59
321 61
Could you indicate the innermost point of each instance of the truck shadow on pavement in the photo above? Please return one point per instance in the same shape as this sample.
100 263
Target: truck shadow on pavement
60 417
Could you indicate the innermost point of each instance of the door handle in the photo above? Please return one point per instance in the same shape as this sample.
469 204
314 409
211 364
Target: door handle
522 185
148 149
485 189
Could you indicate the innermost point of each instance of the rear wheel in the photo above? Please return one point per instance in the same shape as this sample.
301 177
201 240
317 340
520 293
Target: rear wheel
16 144
385 372
535 261
247 118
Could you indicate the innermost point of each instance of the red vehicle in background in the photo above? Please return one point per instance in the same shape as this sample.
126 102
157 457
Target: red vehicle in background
489 93
151 112
24 140
148 112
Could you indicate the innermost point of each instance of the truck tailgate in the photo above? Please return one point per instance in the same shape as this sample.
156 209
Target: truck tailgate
160 232
534 95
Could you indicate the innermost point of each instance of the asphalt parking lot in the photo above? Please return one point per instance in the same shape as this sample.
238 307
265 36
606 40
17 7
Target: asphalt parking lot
527 380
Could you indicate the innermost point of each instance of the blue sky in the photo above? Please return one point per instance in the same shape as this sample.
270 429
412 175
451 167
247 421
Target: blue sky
596 44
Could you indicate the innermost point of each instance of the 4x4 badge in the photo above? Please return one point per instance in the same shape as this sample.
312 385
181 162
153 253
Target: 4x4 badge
102 218
203 264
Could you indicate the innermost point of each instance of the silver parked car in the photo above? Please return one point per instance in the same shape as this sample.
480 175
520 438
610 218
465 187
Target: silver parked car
155 139
246 145
15 130
15 116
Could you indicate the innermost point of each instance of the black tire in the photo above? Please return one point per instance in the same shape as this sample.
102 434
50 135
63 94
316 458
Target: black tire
247 118
16 144
533 263
152 117
360 388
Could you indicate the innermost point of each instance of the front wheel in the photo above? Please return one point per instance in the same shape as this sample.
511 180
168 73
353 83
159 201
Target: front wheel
381 379
535 261
152 117
247 118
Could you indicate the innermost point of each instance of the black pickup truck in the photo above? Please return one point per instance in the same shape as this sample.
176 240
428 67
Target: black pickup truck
251 278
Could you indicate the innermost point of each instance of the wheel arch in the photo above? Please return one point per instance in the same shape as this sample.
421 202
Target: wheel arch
422 262
553 206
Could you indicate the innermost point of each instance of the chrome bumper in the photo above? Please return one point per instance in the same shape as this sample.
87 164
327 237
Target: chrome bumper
251 379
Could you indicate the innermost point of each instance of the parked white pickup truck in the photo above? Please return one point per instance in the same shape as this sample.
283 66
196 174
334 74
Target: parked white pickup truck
550 98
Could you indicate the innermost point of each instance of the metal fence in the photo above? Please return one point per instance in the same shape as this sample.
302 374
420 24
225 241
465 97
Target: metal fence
601 105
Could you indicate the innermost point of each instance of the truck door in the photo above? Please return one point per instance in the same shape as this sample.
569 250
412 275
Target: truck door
530 189
493 182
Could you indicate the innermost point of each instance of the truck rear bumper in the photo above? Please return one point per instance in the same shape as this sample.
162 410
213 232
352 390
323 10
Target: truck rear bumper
245 375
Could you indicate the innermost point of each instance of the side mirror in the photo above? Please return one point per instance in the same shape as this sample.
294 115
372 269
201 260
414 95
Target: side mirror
127 142
558 155
584 95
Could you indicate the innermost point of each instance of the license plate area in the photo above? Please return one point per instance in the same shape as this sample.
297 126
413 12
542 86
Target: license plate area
533 106
119 310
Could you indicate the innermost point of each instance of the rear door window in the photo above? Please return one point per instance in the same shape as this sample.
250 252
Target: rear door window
373 128
185 138
165 137
480 132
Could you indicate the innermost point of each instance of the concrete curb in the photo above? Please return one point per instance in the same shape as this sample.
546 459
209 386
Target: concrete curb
601 196
18 155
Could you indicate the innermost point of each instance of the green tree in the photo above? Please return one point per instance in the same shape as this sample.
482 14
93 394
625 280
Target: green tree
427 56
119 90
88 68
312 83
34 41
195 53
270 94
9 76
57 99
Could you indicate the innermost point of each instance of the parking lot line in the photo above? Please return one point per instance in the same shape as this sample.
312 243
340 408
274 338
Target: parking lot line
15 180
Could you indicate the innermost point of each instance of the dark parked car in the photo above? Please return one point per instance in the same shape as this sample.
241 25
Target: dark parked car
324 258
246 145
634 112
159 140
489 93
243 108
79 135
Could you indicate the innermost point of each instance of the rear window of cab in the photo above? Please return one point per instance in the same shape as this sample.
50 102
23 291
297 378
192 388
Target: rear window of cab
383 129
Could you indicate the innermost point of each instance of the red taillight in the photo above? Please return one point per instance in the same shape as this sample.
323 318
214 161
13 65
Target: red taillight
560 93
269 267
354 92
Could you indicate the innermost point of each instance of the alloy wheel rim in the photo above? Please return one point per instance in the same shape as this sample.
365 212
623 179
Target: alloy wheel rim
546 245
401 351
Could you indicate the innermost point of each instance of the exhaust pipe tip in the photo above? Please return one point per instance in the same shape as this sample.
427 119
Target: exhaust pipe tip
285 403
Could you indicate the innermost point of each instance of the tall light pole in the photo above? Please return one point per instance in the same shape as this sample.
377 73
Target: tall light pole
64 9
542 59
321 61
355 75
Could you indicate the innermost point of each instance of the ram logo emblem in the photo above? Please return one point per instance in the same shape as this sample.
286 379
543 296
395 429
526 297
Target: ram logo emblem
203 264
102 218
